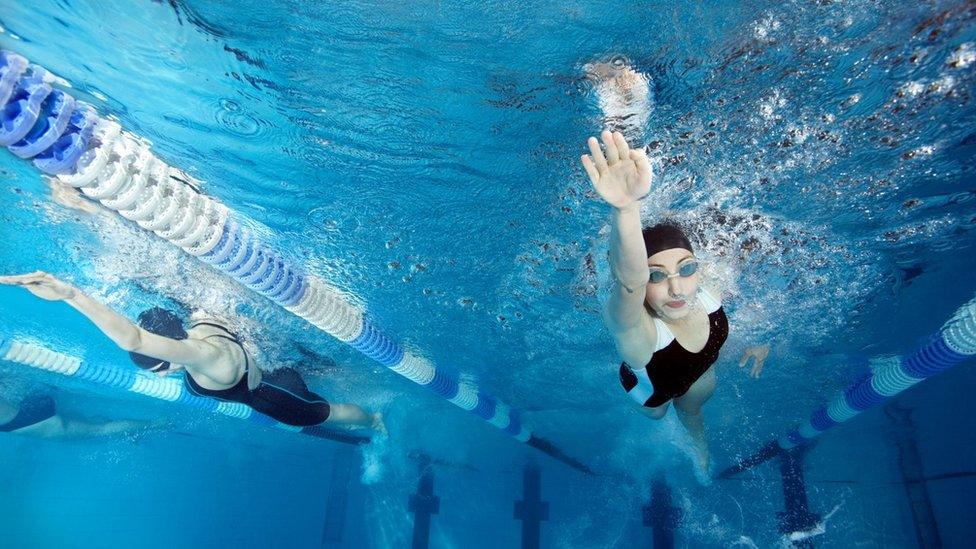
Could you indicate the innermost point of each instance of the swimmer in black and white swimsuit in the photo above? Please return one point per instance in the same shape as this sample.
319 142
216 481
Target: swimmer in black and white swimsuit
216 363
673 370
666 325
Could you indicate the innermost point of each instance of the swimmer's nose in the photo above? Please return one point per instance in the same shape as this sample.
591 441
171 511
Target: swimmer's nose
676 287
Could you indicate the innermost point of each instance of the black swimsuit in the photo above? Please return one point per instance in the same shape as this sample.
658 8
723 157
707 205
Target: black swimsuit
673 369
33 410
282 394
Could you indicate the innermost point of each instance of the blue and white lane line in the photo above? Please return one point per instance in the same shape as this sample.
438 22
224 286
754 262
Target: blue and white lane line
954 343
67 138
169 389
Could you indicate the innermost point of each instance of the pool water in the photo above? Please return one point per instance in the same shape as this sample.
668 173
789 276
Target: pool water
424 158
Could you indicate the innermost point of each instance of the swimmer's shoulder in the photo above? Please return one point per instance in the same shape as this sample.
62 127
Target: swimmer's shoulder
713 289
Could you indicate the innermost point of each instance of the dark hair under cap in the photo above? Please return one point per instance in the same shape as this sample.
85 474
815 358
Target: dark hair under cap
665 236
160 322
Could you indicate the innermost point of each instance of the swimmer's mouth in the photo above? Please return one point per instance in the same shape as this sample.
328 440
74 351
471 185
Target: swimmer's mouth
675 304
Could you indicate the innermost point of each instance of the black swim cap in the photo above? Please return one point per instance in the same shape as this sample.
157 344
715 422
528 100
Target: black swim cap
160 322
665 236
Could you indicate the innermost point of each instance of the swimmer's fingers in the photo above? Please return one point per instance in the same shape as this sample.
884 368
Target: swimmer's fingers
10 280
42 279
24 279
746 355
757 367
613 155
643 167
597 155
760 360
622 148
42 285
590 168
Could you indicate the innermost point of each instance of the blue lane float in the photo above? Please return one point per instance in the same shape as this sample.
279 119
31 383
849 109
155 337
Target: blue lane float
65 152
12 66
127 379
52 121
117 169
23 107
954 343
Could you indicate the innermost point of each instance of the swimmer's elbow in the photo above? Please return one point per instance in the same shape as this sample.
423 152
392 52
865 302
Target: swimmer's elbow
620 319
131 341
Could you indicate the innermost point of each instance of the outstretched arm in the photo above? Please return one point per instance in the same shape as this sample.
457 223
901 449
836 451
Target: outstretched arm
119 329
622 177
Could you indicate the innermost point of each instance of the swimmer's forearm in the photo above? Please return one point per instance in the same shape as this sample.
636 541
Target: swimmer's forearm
627 255
118 328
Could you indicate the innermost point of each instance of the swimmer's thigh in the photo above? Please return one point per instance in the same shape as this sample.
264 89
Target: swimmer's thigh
657 412
700 391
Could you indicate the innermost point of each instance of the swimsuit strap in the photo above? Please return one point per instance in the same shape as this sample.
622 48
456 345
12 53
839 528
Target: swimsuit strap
218 326
664 334
708 301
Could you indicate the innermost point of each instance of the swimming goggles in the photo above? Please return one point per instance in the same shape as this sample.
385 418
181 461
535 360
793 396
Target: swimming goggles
686 269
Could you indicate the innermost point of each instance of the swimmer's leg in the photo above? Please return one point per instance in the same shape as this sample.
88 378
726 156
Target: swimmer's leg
689 408
284 396
83 428
59 426
38 416
354 416
655 413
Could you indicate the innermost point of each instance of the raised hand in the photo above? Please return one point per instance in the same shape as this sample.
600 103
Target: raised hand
622 176
41 284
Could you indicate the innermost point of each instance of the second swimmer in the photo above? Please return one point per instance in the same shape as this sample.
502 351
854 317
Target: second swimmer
216 363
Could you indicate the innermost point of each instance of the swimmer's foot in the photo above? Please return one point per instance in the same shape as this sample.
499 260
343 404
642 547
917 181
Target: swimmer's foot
132 427
702 457
378 424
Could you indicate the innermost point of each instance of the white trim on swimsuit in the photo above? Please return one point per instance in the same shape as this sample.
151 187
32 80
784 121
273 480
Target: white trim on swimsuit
664 335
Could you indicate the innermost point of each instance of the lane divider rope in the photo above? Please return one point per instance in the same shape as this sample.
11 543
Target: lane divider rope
169 389
66 138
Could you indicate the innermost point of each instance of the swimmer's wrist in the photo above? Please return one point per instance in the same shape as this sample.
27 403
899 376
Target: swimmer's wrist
73 296
629 208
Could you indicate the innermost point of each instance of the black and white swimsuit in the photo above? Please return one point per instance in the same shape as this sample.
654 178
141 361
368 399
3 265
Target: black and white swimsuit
673 369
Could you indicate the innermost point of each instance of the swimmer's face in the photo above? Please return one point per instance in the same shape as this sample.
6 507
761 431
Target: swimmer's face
672 298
